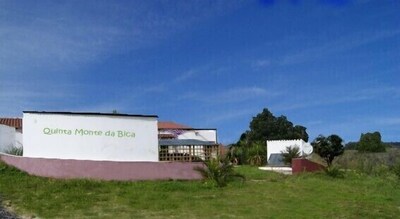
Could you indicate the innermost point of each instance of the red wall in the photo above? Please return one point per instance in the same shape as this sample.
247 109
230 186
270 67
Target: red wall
104 170
303 165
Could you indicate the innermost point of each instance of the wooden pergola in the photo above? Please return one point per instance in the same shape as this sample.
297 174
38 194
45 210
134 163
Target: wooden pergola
187 150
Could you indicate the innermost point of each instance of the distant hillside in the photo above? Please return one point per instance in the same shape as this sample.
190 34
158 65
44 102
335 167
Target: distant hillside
393 144
352 145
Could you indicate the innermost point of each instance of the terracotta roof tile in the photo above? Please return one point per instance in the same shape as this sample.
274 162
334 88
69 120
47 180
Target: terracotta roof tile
166 136
13 122
172 125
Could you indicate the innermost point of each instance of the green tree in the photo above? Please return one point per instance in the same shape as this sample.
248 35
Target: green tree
265 126
371 142
289 154
328 147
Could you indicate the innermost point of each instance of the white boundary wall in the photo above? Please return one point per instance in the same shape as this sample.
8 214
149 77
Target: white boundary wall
9 138
90 137
276 146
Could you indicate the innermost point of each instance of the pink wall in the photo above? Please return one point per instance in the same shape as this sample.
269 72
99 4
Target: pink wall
104 170
303 165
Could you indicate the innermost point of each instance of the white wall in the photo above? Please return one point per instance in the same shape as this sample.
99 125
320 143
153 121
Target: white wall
203 135
18 139
60 136
7 137
276 146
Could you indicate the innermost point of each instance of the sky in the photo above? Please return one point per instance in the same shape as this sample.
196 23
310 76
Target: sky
332 66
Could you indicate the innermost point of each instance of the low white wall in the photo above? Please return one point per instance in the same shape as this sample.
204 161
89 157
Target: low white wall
90 137
276 146
7 137
18 139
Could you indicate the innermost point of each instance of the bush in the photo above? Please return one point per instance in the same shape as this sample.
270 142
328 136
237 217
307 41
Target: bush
219 171
257 154
253 154
334 171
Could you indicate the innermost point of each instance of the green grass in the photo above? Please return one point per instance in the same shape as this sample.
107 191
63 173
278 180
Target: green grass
263 195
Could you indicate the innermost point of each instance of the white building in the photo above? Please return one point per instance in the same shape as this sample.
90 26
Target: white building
106 136
10 133
181 142
172 130
90 136
275 147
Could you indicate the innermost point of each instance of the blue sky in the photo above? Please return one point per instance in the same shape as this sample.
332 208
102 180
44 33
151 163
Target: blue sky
331 66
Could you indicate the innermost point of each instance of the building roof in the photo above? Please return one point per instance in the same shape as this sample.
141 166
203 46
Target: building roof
12 122
166 136
90 114
172 125
183 142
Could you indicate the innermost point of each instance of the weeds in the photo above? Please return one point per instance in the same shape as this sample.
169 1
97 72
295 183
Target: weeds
334 171
396 170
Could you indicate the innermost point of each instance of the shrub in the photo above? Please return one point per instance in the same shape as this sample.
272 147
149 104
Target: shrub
290 153
257 154
244 153
18 151
334 171
219 171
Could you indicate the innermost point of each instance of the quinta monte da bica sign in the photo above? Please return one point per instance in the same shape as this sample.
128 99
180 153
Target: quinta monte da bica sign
86 132
90 136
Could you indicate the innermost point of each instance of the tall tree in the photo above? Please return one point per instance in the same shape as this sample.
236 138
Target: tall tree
328 147
265 126
371 142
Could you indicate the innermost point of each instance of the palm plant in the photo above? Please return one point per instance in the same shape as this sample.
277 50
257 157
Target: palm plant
289 154
257 154
221 171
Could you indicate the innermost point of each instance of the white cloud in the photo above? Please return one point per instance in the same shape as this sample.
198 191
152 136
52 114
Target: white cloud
233 95
340 45
229 115
261 63
61 36
391 121
185 76
49 41
333 97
